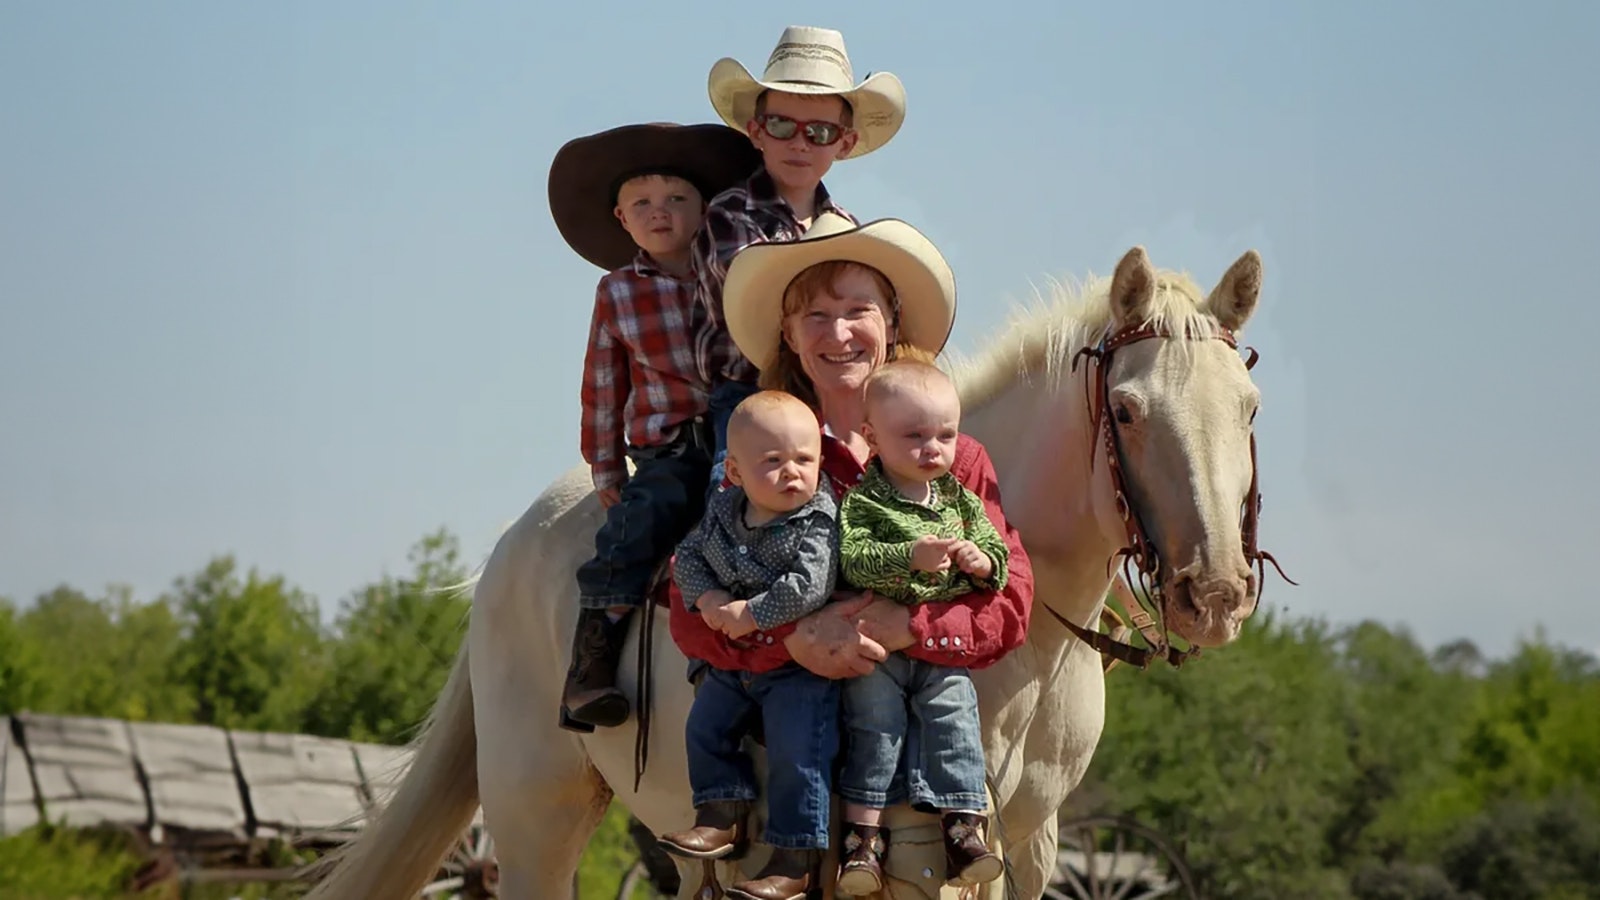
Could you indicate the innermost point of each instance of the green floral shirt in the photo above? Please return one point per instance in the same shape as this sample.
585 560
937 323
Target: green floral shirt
878 526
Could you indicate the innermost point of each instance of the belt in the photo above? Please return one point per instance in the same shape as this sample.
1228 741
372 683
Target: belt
693 434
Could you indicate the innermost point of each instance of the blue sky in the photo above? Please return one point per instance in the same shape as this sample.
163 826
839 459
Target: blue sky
280 279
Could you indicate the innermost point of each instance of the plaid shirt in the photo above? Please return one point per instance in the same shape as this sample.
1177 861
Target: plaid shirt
639 375
751 213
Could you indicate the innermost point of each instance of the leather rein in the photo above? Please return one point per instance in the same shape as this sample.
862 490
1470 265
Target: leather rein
1140 552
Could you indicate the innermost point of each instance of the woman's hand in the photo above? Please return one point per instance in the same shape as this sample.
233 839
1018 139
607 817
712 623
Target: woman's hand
828 643
887 623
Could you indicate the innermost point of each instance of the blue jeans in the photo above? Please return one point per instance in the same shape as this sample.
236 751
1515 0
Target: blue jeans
660 503
724 398
800 718
912 731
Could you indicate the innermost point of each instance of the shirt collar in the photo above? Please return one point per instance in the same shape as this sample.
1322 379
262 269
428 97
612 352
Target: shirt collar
645 266
763 192
876 484
728 506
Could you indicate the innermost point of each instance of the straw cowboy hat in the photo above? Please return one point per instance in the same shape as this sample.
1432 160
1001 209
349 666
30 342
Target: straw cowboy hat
586 172
752 294
812 61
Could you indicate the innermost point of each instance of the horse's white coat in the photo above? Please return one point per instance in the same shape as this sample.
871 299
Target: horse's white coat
493 734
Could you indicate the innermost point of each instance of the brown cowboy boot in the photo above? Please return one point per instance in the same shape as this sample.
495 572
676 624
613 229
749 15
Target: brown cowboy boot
861 869
718 831
788 875
590 697
967 857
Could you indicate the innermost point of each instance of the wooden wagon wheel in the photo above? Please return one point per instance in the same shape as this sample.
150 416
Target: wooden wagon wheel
470 872
1116 858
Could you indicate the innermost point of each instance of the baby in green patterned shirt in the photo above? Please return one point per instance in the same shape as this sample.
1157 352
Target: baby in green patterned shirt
911 532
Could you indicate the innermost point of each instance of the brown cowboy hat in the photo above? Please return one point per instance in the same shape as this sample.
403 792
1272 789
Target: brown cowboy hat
586 172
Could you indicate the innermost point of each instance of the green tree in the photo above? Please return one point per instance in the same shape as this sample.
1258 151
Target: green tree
1240 756
145 654
252 654
1405 719
20 682
396 640
73 640
1535 729
1520 849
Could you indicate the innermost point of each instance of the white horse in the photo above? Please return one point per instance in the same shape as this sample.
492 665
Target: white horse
1182 406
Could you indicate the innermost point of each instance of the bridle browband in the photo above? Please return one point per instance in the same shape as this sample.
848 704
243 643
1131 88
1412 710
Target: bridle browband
1140 552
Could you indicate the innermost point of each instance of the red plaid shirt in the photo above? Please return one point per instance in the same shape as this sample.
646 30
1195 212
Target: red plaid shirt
750 213
639 377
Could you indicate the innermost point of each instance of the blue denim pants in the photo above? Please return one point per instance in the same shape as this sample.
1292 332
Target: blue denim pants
912 732
800 720
725 397
660 503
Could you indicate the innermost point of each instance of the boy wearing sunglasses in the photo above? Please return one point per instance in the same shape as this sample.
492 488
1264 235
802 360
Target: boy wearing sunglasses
805 112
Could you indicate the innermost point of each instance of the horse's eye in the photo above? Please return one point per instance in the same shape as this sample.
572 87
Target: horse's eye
1123 416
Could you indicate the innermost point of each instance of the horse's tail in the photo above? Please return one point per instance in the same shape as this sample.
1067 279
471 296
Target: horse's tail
402 846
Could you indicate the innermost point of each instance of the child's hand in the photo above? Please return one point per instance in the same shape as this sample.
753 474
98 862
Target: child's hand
731 617
714 615
931 554
712 600
737 620
971 559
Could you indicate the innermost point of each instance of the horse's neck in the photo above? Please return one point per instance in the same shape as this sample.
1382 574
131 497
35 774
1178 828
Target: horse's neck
1040 438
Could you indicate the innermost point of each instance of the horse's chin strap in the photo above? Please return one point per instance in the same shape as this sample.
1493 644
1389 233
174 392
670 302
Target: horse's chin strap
1139 550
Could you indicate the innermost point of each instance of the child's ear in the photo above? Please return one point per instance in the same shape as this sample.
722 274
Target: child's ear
869 437
731 469
617 211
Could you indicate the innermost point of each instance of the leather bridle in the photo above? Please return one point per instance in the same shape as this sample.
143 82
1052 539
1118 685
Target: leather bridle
1140 552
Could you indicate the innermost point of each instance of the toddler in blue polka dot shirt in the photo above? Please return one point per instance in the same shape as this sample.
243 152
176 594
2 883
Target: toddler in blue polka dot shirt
765 554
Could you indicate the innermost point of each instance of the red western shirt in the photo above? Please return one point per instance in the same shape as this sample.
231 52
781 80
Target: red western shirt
640 381
974 631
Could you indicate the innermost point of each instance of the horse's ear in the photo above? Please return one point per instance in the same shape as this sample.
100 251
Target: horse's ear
1234 299
1133 287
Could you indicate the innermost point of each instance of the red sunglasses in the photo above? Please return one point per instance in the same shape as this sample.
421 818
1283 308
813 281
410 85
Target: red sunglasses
821 134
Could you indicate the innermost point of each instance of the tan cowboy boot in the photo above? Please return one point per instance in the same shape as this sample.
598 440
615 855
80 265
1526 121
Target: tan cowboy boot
590 698
788 875
718 831
967 856
861 868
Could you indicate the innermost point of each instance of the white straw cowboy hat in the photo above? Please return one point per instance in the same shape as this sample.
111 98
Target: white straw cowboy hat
812 61
752 294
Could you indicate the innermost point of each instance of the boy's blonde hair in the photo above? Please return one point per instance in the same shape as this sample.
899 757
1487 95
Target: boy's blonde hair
786 373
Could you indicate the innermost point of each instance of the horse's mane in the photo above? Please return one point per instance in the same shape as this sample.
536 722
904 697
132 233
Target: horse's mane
1040 340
